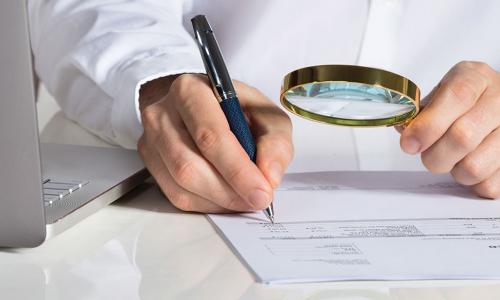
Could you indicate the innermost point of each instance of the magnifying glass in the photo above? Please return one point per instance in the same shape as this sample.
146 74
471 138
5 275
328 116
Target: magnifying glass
350 95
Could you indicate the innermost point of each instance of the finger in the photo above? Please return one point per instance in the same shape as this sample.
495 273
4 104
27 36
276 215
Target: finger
455 95
272 129
464 135
274 153
206 123
400 128
423 103
480 164
178 196
188 168
489 188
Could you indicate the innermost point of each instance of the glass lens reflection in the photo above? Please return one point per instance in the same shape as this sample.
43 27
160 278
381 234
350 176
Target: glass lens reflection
348 100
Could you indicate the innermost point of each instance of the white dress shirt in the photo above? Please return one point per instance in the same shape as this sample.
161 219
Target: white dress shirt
93 56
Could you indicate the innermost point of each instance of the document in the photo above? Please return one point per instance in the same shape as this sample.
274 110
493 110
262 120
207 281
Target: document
368 226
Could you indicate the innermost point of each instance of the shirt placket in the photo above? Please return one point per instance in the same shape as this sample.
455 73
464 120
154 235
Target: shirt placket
379 49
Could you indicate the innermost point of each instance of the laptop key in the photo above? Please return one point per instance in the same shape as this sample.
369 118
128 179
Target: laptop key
50 199
78 183
61 186
55 190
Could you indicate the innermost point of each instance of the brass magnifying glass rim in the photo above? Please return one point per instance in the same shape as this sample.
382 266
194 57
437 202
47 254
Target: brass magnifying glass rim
355 74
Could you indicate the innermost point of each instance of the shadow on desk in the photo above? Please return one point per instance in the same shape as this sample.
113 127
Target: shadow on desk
152 199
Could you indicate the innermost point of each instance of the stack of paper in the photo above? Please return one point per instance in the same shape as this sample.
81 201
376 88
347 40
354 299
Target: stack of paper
369 226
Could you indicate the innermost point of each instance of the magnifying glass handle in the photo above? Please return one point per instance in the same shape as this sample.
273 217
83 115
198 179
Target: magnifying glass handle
238 125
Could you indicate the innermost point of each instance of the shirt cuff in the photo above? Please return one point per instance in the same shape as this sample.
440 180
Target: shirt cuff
125 114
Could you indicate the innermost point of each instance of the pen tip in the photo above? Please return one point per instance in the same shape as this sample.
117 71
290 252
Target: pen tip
269 212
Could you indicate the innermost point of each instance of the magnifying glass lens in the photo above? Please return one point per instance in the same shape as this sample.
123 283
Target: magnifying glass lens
349 100
350 95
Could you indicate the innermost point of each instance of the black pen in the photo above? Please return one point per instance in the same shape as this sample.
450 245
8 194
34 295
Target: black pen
224 90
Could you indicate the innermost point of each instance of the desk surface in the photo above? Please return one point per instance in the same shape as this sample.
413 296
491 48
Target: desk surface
141 247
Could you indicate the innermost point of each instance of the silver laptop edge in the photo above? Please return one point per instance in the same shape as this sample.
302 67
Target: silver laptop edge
110 173
22 222
26 218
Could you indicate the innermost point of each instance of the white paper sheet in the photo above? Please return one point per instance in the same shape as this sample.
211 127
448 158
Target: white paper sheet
369 226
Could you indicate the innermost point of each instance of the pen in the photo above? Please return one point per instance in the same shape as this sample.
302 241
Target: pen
224 90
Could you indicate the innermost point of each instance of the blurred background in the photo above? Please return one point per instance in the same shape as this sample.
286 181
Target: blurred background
54 127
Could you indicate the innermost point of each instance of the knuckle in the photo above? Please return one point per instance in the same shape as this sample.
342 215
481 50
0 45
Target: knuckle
236 174
462 134
478 66
474 65
419 128
207 138
182 201
429 163
489 189
468 79
463 89
472 168
284 146
465 64
247 87
183 171
184 83
180 83
149 115
423 131
235 203
482 67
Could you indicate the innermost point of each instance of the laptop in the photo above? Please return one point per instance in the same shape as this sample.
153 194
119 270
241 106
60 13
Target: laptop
46 188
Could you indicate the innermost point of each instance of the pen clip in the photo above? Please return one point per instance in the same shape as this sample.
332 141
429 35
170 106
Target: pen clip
213 59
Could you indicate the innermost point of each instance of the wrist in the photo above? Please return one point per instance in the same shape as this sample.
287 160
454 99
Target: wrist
154 90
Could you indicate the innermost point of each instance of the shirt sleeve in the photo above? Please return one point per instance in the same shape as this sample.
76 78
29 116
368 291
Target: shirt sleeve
94 55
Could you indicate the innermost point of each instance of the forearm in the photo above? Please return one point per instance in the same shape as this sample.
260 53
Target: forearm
94 56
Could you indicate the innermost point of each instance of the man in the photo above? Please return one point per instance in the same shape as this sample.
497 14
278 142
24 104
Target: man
126 70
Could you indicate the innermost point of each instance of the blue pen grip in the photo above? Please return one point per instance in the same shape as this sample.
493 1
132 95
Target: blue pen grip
239 126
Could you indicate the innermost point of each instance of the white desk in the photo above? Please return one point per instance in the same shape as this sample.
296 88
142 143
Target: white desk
141 247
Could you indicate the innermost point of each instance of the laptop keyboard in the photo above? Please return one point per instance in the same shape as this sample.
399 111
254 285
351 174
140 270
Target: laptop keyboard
55 190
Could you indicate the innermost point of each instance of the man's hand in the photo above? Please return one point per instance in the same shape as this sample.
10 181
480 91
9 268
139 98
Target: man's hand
194 157
458 131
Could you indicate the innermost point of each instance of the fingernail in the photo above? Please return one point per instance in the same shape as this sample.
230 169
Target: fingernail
411 145
275 172
258 198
